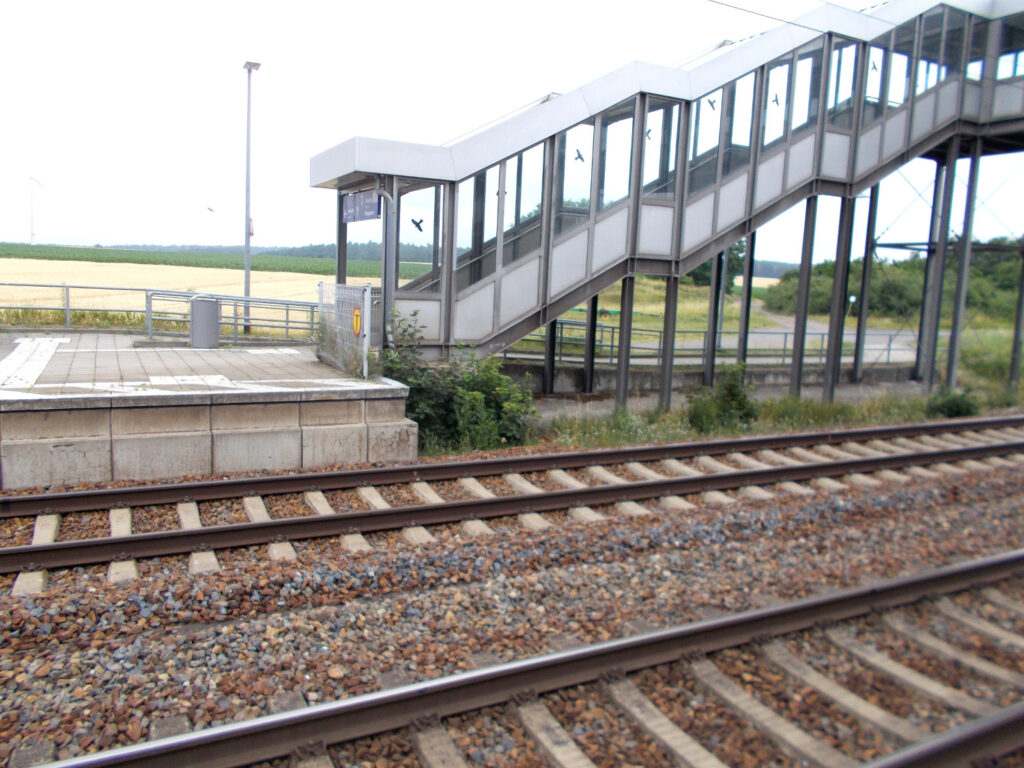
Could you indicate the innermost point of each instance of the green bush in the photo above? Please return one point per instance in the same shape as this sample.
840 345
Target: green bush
727 405
459 404
951 404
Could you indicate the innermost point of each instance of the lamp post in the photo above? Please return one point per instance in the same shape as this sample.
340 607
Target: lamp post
249 66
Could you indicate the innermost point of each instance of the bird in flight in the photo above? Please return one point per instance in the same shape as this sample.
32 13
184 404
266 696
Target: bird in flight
417 224
775 99
579 156
711 103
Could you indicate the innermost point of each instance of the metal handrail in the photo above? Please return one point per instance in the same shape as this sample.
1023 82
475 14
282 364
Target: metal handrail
300 317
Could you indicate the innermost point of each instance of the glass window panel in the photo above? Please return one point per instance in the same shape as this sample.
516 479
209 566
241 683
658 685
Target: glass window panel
928 65
899 65
775 103
953 45
739 108
840 85
419 238
464 217
363 242
575 150
491 203
660 138
705 134
616 155
873 85
1011 48
475 248
976 54
524 183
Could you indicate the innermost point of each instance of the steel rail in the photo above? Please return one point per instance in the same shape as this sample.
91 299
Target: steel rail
996 734
64 554
205 490
274 736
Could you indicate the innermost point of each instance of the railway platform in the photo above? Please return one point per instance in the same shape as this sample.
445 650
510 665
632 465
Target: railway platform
93 407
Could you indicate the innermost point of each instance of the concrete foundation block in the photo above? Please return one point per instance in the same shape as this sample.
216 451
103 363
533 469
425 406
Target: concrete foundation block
58 424
322 413
393 442
25 463
338 444
385 409
143 457
35 753
150 420
246 416
246 450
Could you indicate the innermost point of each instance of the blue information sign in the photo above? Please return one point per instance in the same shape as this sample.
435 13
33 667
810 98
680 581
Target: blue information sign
360 206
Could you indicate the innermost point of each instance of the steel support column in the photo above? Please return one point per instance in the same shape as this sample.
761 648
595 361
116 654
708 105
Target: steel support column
341 247
837 309
1018 328
802 297
718 271
589 343
748 284
548 376
963 272
933 236
668 342
932 305
864 298
625 337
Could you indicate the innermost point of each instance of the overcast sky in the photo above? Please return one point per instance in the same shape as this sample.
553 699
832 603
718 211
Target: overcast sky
124 122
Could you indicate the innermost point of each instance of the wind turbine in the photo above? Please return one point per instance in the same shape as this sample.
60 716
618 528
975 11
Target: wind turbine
32 209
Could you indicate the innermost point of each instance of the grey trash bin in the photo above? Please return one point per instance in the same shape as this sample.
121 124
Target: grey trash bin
205 322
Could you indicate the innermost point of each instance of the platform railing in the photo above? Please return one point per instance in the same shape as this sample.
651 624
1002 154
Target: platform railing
164 310
764 346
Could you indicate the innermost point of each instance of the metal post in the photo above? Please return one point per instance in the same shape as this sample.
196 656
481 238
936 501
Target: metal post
802 297
933 296
714 309
341 248
1018 328
933 236
389 270
963 273
547 384
589 341
250 67
748 281
149 315
67 307
668 342
625 341
837 310
367 317
865 288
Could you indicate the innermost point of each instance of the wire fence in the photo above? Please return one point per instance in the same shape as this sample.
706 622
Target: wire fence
351 322
156 311
764 347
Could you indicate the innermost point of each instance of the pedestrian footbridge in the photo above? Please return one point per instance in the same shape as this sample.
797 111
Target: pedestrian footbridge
655 170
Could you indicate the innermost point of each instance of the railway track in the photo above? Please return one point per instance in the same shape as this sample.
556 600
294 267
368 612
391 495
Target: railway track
631 481
922 670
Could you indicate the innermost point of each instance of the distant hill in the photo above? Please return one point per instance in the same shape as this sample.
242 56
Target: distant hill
772 268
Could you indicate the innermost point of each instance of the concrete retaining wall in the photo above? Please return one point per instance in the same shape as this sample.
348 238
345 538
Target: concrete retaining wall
57 441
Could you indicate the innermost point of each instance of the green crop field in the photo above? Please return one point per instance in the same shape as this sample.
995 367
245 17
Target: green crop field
259 262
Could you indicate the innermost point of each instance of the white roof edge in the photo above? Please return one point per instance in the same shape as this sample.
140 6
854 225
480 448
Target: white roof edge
526 128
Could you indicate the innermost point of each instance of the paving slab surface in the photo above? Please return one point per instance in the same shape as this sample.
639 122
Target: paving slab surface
50 365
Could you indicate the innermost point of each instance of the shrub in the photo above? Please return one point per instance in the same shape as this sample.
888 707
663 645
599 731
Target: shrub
459 403
728 405
951 404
